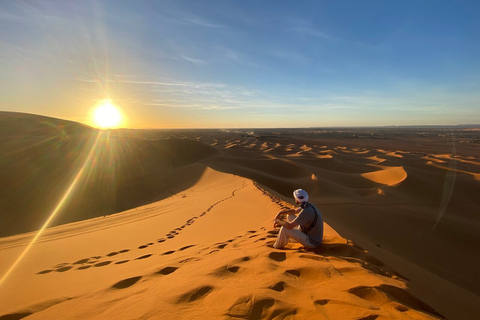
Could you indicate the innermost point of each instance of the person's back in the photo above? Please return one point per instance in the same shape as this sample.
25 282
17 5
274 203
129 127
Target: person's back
306 218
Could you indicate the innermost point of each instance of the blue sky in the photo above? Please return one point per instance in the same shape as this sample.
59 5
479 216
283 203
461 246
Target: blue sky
175 64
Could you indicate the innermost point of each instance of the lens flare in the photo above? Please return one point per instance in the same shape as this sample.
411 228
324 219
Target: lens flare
107 115
88 162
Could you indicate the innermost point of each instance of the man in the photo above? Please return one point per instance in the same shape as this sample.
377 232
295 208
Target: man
306 228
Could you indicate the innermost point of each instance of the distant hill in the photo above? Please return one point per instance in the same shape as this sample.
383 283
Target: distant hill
15 123
41 156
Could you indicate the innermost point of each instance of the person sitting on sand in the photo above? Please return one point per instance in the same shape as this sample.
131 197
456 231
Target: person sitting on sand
306 228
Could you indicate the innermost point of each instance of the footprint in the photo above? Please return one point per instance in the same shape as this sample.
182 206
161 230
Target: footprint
195 294
167 270
101 264
111 254
278 256
222 246
124 250
122 262
44 271
167 253
279 286
63 269
233 269
61 265
126 283
143 247
84 267
82 261
161 240
189 259
321 302
186 247
144 257
293 272
270 243
250 307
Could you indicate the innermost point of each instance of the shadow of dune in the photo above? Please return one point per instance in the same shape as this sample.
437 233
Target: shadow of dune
283 176
41 157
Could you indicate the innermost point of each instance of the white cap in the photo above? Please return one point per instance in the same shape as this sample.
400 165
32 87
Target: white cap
300 195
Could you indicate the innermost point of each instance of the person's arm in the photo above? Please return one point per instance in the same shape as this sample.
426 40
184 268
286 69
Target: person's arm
285 212
286 224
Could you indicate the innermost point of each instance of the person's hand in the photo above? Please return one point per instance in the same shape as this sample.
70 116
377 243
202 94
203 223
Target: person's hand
282 213
275 223
277 216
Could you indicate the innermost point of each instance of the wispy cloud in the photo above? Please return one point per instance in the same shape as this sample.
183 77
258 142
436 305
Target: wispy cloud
193 60
237 57
311 31
168 93
203 23
10 49
147 80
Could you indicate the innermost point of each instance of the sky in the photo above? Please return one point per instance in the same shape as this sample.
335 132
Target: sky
244 64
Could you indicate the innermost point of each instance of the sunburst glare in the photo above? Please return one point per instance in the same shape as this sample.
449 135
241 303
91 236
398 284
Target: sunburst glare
106 115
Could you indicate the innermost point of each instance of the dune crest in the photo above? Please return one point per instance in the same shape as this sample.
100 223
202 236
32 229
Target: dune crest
389 176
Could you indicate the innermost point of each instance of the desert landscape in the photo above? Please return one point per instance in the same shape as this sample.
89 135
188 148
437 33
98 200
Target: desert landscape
169 224
153 155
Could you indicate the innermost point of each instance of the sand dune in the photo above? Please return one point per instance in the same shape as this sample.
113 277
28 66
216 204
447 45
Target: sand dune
193 235
202 253
389 176
125 172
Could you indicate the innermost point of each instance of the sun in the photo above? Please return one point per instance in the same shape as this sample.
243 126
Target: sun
106 115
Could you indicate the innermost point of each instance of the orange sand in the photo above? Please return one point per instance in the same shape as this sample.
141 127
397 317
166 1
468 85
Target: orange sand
202 253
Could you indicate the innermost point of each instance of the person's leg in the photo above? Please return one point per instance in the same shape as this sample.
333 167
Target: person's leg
295 234
298 236
282 238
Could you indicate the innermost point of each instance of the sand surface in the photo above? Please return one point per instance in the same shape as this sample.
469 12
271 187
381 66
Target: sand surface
202 253
168 225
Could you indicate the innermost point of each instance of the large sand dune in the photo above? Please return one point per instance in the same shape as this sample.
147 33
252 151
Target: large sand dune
194 239
201 253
